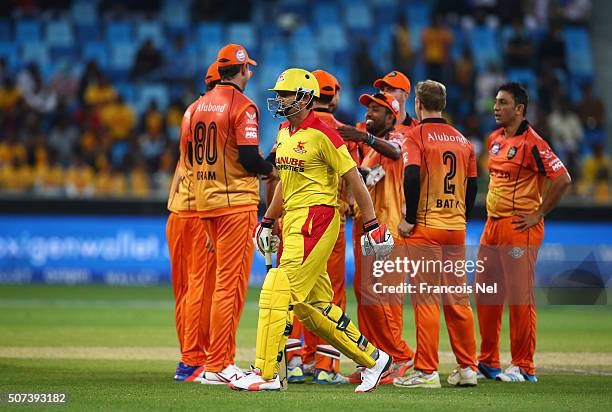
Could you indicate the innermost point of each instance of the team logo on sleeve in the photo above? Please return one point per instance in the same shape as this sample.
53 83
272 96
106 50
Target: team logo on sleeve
495 148
511 152
300 147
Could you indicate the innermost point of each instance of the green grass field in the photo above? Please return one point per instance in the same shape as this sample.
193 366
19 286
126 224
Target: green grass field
114 348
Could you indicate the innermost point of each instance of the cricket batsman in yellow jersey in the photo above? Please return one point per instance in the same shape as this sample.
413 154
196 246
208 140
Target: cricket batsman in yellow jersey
310 158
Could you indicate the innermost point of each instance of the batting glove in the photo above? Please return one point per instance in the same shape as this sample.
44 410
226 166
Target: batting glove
376 240
263 239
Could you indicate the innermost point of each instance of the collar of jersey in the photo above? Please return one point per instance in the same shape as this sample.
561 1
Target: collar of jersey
434 120
230 84
407 121
522 128
305 123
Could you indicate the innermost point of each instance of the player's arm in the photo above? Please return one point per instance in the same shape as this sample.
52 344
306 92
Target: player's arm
247 139
472 184
358 188
275 208
549 165
386 148
412 184
272 180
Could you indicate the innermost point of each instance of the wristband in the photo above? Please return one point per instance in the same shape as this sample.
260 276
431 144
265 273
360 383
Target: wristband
371 225
267 222
370 140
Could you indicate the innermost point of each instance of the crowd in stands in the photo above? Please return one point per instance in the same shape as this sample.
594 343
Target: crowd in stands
75 131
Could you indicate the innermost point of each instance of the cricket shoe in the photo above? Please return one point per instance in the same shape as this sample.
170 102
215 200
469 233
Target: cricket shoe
370 378
487 372
296 375
355 377
397 370
463 377
254 382
227 375
187 373
515 374
419 379
323 377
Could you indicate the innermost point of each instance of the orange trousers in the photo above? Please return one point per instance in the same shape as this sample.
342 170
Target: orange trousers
510 262
193 280
381 322
440 245
326 357
231 238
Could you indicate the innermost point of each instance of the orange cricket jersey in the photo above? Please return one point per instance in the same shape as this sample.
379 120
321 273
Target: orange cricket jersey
222 120
388 194
518 166
182 200
446 159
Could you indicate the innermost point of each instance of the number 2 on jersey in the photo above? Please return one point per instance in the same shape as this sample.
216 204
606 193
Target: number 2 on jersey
205 143
449 157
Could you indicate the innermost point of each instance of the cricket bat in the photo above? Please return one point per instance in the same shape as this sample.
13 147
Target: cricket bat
282 370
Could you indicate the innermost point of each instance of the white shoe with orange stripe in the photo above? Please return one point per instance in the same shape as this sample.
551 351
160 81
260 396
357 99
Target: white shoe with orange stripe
254 382
227 375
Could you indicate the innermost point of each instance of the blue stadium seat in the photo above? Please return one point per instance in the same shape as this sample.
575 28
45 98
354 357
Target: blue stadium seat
485 47
119 32
276 53
127 91
59 34
326 14
526 77
210 33
579 57
332 38
305 57
150 30
150 92
244 34
381 48
86 34
84 12
35 53
357 16
97 52
28 31
8 52
176 16
5 30
122 57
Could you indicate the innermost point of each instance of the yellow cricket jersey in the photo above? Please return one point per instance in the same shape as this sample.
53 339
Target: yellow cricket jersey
309 161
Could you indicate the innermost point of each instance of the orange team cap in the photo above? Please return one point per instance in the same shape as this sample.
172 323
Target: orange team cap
234 54
394 79
328 84
383 99
212 74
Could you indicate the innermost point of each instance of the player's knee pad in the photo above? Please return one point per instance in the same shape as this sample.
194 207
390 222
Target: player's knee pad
334 326
274 325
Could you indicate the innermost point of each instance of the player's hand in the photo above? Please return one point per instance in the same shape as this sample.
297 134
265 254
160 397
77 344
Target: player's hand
272 176
404 228
352 134
523 221
376 240
263 239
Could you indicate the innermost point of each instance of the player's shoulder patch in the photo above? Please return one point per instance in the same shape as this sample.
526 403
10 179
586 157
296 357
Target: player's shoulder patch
330 133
